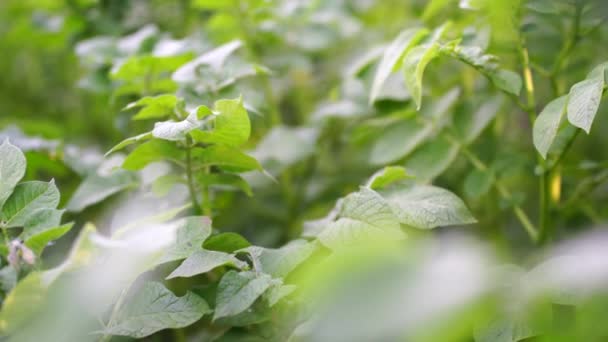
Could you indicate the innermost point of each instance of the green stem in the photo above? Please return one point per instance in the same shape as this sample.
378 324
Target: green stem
117 305
190 179
505 194
502 190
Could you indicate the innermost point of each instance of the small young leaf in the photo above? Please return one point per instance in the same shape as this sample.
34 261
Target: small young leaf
155 308
204 261
28 198
237 291
37 240
547 124
231 125
386 177
584 101
392 56
152 151
364 216
414 64
163 184
427 207
157 107
130 141
12 169
176 130
278 292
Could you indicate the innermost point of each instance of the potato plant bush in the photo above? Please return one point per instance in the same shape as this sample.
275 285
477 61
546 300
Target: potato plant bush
284 170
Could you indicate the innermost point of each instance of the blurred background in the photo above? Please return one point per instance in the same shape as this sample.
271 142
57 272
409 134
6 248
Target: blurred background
305 70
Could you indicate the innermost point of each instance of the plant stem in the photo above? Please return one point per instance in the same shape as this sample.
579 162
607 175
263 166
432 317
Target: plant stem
504 193
191 187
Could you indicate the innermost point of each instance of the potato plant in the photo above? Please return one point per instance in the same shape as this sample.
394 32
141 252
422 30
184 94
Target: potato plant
283 170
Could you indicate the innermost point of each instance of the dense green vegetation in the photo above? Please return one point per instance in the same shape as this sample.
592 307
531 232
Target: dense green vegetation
284 170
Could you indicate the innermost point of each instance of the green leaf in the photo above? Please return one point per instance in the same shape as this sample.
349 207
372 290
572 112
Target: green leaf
478 183
26 199
38 239
584 101
153 151
397 141
95 188
22 303
285 146
204 261
547 124
364 216
431 159
213 59
226 242
163 184
154 107
176 130
280 262
507 80
434 7
154 308
228 158
231 125
12 169
278 292
427 207
471 124
386 177
142 66
225 181
414 65
191 234
393 54
130 141
237 291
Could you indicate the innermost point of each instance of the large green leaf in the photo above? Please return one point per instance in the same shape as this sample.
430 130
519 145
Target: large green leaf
95 188
26 199
237 291
431 159
204 261
228 158
153 151
155 308
280 262
397 141
393 54
547 124
584 101
226 242
12 169
427 207
414 65
191 234
21 303
231 125
364 216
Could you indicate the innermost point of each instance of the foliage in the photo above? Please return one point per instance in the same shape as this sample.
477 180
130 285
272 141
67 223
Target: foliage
274 170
